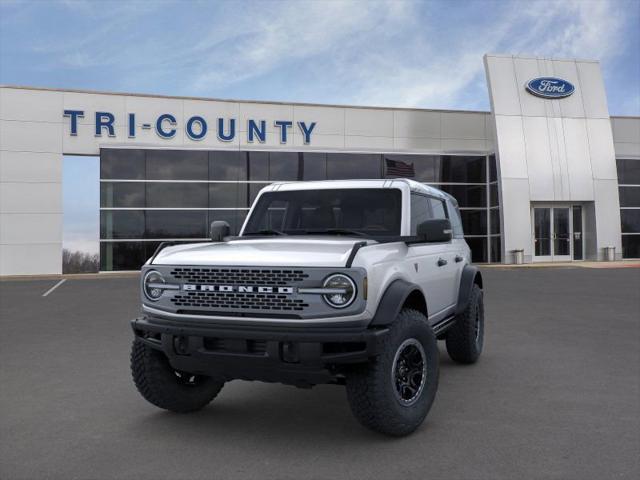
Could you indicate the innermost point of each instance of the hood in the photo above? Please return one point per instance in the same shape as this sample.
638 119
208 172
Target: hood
272 252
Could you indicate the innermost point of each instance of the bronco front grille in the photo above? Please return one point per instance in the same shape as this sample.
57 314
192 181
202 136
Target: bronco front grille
233 276
238 301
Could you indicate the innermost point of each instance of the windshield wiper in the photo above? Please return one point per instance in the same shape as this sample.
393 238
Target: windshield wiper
266 232
337 231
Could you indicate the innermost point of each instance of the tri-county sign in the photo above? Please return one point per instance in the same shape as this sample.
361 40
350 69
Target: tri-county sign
550 87
196 127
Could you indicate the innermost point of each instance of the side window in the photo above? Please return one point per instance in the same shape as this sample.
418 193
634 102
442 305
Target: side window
437 208
420 211
456 221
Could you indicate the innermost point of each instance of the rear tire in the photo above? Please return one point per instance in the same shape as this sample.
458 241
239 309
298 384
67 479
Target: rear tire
394 392
167 388
466 338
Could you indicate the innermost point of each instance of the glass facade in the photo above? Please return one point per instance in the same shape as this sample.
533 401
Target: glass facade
151 196
629 191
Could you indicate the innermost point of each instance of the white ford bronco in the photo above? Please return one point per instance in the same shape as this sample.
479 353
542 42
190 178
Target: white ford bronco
349 282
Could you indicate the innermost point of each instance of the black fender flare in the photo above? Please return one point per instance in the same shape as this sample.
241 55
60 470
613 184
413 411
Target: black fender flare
470 275
392 301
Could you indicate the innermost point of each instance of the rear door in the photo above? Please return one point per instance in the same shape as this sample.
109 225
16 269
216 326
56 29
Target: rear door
431 264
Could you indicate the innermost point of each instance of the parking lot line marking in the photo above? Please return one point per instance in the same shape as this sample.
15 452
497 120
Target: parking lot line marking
54 287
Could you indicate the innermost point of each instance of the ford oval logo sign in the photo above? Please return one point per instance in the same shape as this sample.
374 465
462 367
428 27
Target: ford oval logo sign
550 87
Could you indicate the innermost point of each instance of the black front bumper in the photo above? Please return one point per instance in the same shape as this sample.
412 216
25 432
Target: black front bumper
300 357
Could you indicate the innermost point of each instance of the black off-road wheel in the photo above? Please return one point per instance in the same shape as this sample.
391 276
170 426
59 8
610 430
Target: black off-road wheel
394 392
167 388
466 338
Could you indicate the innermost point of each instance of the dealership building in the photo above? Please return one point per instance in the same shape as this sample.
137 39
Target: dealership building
546 175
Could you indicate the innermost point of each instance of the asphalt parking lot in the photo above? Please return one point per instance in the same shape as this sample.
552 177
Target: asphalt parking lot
555 395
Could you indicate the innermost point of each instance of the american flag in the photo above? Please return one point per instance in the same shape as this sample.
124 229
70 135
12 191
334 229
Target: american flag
397 168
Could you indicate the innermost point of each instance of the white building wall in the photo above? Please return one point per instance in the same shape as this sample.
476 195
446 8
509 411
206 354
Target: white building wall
30 182
34 136
552 150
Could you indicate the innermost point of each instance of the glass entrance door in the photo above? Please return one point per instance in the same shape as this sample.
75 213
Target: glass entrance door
557 233
561 234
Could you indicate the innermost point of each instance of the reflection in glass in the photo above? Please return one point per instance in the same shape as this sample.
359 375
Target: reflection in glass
283 166
177 195
630 221
467 195
228 195
474 222
119 195
630 246
314 166
258 165
561 237
496 253
478 246
123 164
628 171
629 196
176 224
542 231
122 255
121 224
177 165
342 166
227 165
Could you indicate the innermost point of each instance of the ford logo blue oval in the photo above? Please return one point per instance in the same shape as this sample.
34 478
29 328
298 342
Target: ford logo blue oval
550 87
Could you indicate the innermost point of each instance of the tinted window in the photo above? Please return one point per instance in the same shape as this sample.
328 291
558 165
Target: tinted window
283 166
493 195
122 255
493 169
122 164
375 212
467 195
474 222
495 220
460 169
420 211
478 246
352 165
630 221
628 171
121 224
314 166
177 195
631 246
177 165
176 224
258 165
227 165
496 253
228 195
117 195
629 196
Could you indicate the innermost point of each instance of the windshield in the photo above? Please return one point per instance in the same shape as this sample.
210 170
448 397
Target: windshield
368 212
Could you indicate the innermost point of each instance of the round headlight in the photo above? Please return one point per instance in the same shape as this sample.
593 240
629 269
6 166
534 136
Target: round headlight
344 291
151 287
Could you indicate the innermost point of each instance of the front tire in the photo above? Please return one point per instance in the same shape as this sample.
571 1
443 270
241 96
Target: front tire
394 393
167 388
466 338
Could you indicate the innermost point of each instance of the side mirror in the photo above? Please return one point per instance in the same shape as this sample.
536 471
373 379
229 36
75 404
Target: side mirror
436 230
219 230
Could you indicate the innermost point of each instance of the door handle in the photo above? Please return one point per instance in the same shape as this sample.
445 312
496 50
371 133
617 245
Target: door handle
459 258
442 262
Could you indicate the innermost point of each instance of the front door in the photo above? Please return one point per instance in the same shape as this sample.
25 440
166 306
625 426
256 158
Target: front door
557 233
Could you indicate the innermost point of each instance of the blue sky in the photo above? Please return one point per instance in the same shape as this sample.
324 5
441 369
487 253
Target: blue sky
391 53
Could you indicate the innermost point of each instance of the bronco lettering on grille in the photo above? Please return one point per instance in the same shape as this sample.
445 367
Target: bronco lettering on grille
237 288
